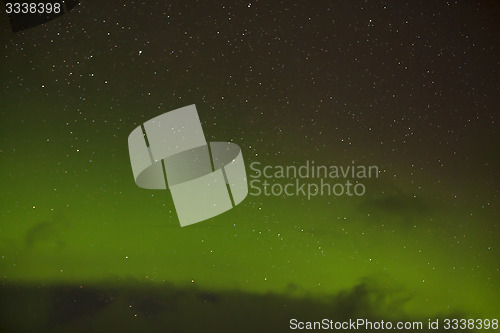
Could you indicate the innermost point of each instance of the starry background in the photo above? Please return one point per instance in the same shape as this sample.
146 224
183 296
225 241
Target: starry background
412 87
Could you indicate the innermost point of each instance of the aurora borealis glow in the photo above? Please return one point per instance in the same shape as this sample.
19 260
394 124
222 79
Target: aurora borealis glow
409 87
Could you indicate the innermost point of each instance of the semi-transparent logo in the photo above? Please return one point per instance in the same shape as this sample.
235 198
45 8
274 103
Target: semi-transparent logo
170 152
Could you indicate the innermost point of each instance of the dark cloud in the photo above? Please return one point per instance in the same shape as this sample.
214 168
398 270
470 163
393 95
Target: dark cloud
147 308
391 204
397 205
47 234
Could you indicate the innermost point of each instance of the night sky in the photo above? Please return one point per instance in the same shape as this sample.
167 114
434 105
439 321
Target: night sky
412 87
